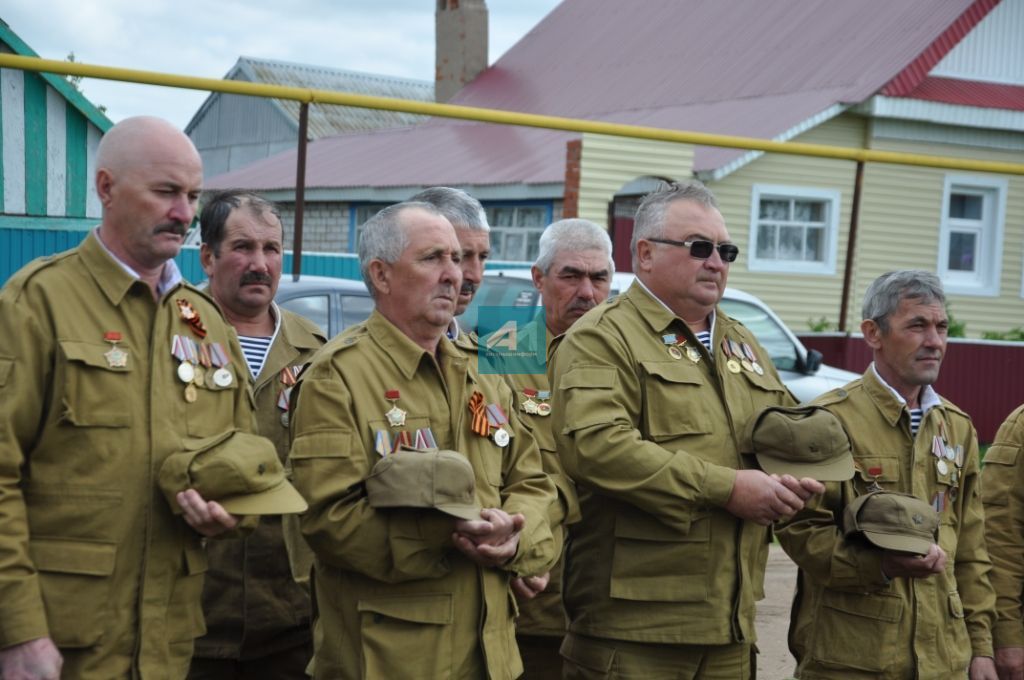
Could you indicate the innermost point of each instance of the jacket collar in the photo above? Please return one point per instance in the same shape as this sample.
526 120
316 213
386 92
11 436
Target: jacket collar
656 313
406 354
114 277
888 402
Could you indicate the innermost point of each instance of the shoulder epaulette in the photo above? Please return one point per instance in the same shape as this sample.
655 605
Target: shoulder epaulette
832 397
20 278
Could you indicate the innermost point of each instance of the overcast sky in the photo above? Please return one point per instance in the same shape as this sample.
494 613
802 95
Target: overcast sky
205 38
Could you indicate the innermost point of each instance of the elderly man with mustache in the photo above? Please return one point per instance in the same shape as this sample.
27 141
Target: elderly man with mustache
650 393
405 588
257 616
864 612
97 369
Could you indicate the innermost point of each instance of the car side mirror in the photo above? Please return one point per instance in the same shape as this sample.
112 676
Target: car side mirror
812 362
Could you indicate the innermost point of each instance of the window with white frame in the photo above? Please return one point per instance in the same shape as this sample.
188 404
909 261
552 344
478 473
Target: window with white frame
793 229
516 230
971 235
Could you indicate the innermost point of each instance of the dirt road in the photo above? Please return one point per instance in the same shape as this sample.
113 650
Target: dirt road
775 661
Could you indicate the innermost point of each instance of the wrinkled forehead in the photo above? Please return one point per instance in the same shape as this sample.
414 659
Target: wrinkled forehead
686 219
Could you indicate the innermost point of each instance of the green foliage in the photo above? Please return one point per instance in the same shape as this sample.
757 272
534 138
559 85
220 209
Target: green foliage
957 329
1012 335
820 325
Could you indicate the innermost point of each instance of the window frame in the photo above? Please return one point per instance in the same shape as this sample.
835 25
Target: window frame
985 282
833 200
546 206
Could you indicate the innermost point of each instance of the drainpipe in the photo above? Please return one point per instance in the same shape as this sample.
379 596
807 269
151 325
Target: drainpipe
851 245
300 191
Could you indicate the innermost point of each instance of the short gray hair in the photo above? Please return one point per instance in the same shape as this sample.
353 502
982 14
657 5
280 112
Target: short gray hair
383 237
572 235
458 207
885 293
650 216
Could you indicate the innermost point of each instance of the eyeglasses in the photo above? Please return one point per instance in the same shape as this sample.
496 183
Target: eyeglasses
702 250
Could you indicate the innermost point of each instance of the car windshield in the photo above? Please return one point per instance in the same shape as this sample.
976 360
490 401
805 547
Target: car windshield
769 334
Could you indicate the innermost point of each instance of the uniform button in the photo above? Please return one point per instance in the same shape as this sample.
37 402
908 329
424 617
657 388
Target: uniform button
262 468
841 393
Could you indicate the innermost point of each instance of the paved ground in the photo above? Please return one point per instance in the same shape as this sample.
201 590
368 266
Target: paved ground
775 661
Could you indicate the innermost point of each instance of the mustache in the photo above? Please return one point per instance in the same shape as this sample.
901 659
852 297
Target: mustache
582 305
468 288
179 228
256 277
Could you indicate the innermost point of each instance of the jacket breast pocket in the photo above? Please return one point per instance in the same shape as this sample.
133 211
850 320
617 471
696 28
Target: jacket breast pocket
857 630
96 394
407 637
75 577
653 562
883 469
673 401
213 410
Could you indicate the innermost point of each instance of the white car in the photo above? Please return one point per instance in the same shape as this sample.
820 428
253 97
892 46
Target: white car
800 368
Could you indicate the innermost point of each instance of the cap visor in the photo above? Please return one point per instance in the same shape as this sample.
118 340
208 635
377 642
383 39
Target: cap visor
470 512
900 543
282 499
827 471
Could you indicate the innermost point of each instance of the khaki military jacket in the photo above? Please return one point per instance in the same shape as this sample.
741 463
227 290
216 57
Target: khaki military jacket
253 606
1003 498
544 614
848 619
90 553
395 599
652 444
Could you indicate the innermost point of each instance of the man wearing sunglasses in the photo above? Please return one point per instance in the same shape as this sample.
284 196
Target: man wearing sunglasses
663 569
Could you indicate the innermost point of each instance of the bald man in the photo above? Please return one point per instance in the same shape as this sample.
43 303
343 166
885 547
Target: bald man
106 367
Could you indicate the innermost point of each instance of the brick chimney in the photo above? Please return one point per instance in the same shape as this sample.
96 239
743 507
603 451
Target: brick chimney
461 52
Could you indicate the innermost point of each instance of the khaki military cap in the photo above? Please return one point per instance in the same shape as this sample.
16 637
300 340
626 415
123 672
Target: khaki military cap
893 521
413 478
238 470
803 441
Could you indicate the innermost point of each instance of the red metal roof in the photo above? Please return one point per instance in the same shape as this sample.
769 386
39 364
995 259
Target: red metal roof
969 93
725 66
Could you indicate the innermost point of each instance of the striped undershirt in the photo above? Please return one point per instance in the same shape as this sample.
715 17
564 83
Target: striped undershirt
255 351
705 339
915 420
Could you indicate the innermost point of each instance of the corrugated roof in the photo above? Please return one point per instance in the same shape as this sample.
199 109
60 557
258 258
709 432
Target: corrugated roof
969 93
728 66
324 120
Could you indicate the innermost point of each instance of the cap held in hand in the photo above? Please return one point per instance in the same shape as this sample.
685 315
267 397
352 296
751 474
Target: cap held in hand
803 441
240 471
893 521
424 478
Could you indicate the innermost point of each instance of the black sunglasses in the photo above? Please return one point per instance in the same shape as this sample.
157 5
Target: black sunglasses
702 250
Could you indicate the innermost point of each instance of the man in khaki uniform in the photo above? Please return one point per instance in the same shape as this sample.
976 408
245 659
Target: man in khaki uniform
99 366
405 592
652 391
573 273
257 616
1003 497
470 221
865 612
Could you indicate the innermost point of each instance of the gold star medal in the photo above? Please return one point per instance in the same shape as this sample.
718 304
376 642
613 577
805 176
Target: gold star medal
116 357
395 416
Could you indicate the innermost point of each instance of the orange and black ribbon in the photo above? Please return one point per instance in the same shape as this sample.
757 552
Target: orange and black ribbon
479 424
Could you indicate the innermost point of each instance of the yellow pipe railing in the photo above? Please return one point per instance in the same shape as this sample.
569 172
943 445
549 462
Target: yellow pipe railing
501 117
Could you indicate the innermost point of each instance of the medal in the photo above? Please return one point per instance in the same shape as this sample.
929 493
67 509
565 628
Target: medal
529 405
543 407
874 473
284 420
496 418
222 376
692 353
959 456
382 443
730 363
674 352
675 342
939 502
116 357
199 376
191 393
190 316
941 466
395 416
